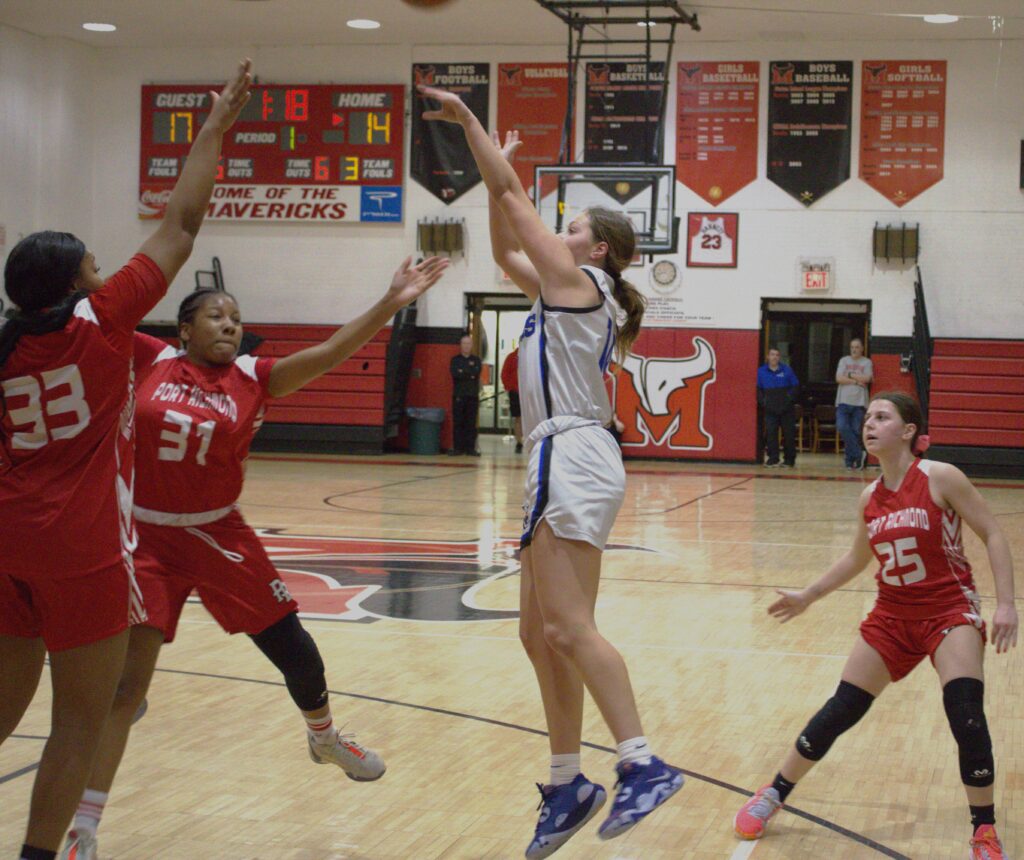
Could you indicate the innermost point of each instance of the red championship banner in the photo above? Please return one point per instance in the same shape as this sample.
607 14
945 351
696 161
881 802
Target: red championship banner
716 127
533 99
903 126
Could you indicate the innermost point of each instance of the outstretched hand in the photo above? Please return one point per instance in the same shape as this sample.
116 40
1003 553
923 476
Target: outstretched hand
1004 628
226 106
452 109
789 605
512 143
410 282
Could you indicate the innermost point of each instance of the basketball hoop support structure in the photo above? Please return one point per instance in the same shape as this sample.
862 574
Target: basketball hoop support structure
597 24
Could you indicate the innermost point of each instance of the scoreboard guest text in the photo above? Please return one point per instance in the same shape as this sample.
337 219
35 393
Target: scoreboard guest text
298 152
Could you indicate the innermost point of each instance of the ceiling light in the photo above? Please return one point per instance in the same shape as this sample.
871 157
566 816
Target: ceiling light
646 23
363 24
941 19
99 28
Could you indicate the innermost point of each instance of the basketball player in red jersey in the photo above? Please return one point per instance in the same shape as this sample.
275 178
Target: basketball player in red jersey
198 410
927 607
66 473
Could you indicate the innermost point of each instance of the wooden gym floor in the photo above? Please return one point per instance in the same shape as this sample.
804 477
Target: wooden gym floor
413 559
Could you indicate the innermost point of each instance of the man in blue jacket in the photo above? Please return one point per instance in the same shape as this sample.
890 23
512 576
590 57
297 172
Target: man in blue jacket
777 387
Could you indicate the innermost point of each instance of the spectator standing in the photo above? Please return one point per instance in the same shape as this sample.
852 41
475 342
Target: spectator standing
465 370
510 381
777 387
854 375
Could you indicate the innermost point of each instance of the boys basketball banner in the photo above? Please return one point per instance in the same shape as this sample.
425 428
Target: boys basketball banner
533 99
623 122
440 159
809 113
717 127
903 126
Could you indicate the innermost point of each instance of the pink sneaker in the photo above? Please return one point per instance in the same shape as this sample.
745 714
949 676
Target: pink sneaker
985 844
755 814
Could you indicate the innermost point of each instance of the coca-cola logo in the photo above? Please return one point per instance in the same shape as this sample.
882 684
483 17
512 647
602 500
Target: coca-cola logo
155 198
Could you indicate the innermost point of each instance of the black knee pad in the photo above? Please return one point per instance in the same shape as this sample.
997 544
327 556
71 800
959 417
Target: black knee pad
290 647
840 713
963 699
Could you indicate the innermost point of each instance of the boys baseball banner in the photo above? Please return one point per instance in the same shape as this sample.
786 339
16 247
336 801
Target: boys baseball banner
717 127
532 99
440 158
809 113
903 126
623 124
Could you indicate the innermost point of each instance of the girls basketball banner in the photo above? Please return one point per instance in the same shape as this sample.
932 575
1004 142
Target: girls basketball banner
809 113
623 124
717 127
903 126
440 158
533 99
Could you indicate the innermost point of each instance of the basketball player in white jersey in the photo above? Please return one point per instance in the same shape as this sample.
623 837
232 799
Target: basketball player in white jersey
583 311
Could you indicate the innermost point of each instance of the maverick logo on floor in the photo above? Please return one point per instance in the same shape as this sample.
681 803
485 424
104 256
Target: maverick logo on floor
367 579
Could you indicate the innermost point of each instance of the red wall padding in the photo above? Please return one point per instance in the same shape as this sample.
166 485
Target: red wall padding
350 394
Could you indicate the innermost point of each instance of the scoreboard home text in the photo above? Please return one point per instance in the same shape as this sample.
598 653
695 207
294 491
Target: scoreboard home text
297 152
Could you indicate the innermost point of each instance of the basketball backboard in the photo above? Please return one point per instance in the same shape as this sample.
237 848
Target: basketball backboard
643 193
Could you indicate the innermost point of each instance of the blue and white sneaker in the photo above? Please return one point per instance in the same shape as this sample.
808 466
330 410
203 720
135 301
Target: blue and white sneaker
642 788
564 809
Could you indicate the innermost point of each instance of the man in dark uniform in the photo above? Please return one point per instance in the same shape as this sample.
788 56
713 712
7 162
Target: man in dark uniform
777 388
465 370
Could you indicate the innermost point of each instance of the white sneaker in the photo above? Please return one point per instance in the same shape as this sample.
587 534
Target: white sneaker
80 846
358 762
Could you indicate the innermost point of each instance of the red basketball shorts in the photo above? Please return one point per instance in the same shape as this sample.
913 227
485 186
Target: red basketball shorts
903 644
223 561
67 613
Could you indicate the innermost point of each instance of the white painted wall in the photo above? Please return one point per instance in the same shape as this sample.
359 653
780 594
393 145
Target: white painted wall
70 137
46 135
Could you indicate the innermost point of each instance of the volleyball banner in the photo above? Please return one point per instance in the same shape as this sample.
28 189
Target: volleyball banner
809 114
717 127
533 99
903 126
440 158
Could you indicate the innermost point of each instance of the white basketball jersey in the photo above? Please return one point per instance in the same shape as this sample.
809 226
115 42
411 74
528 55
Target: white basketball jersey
563 356
711 245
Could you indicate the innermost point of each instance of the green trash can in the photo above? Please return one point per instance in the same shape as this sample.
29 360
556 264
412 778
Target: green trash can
425 429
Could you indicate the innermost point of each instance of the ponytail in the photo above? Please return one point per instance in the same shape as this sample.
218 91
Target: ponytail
634 303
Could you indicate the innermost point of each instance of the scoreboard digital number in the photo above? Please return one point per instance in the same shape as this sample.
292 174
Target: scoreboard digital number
296 153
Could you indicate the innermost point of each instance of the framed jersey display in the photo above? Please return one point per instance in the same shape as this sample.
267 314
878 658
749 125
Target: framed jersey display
712 239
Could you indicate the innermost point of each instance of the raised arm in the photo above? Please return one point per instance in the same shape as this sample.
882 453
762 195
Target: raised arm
549 255
170 246
409 282
962 496
792 603
504 245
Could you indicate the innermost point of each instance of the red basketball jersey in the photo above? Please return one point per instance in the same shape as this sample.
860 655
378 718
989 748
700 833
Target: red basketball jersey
66 469
195 425
923 572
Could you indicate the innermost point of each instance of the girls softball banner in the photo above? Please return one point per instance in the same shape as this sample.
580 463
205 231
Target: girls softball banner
440 158
623 125
532 99
903 126
717 127
809 113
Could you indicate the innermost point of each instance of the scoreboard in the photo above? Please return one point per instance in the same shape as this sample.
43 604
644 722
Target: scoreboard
300 152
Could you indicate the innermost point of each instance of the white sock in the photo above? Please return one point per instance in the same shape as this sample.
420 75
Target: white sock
90 811
565 768
321 729
635 750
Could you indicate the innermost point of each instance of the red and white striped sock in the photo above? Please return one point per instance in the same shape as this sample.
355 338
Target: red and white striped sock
90 811
321 729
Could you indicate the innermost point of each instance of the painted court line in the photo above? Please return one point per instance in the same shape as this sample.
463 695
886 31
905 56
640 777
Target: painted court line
743 851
